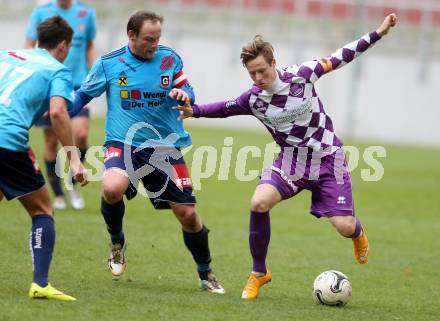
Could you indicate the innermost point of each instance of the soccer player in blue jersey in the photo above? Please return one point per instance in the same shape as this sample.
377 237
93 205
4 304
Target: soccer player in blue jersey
31 82
143 81
285 101
81 56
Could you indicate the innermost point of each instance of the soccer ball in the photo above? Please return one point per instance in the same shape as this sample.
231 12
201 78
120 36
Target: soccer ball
332 288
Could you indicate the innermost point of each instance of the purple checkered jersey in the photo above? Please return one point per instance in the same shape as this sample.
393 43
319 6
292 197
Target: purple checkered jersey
291 109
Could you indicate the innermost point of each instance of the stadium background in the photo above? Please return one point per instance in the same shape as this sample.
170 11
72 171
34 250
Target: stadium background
386 96
389 95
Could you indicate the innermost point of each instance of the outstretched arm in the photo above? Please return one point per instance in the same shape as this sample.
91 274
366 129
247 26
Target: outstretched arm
313 70
221 109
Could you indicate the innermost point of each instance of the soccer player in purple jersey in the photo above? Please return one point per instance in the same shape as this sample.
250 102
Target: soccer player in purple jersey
311 156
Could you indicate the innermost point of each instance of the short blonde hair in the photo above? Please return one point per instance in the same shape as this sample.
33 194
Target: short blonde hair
258 46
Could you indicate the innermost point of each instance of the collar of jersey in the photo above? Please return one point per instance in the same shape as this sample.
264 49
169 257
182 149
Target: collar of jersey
136 56
277 83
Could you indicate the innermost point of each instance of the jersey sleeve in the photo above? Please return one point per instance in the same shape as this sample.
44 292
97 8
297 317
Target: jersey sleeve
96 80
91 26
79 102
313 70
33 22
179 77
61 85
180 81
190 91
223 109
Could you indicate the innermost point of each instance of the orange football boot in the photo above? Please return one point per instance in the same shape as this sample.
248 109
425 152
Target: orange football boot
253 285
361 248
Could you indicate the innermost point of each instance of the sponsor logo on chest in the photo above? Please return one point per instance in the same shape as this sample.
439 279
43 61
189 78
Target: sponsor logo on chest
134 98
289 114
122 79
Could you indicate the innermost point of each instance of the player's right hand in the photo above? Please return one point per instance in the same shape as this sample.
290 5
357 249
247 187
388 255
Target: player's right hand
187 111
80 174
389 22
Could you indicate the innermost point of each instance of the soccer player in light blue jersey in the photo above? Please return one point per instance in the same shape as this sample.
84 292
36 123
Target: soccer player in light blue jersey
82 19
143 81
31 82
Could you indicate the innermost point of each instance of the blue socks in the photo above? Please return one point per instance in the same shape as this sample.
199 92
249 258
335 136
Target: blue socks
113 215
41 243
197 244
259 237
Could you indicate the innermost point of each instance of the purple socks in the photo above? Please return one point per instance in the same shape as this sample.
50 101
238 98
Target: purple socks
259 237
357 229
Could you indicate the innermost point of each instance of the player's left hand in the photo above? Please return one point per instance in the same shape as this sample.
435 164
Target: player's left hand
179 94
187 111
389 22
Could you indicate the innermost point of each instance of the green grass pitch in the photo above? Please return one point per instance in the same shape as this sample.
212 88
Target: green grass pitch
401 281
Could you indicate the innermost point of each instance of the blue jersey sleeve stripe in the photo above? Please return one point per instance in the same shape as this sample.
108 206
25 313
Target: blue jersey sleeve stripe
161 47
103 70
114 53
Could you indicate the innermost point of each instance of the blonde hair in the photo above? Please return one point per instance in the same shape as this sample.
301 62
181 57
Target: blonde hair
258 46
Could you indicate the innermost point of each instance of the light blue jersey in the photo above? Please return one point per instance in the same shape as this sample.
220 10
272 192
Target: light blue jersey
137 95
28 78
82 19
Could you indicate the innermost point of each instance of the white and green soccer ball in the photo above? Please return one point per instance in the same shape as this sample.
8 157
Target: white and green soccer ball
332 288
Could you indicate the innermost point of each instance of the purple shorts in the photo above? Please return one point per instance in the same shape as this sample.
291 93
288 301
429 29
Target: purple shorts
326 177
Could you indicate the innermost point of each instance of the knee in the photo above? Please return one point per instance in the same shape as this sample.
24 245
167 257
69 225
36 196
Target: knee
259 205
346 226
112 193
188 217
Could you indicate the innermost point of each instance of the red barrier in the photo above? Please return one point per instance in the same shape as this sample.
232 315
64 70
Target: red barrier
288 6
316 8
436 18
